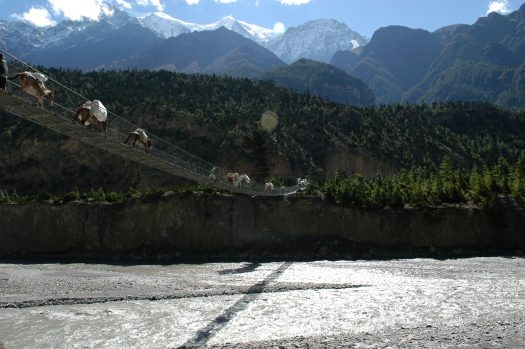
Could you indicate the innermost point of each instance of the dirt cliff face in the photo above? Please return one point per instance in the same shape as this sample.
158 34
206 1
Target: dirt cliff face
211 225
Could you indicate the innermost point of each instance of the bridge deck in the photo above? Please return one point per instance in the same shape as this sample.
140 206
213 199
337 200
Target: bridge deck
168 163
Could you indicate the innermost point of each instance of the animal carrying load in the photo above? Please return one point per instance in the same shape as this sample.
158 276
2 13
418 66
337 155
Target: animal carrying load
142 134
97 109
39 76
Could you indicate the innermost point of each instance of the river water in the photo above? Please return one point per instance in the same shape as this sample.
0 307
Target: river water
167 306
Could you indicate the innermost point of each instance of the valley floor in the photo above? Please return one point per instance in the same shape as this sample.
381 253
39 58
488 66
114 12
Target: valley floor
475 302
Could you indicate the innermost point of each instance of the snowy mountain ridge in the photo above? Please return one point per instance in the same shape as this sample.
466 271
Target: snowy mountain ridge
317 39
167 26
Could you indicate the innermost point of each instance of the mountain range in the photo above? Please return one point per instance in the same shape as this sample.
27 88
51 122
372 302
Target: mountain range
167 27
480 62
219 51
317 39
483 61
160 42
132 36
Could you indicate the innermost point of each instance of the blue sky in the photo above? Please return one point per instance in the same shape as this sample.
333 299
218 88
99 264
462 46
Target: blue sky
364 16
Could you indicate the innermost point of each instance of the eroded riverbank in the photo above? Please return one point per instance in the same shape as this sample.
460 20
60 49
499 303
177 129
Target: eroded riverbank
215 226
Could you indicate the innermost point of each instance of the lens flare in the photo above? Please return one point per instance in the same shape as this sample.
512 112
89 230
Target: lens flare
269 121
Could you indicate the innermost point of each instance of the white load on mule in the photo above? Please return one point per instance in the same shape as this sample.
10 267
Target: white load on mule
38 76
142 134
97 109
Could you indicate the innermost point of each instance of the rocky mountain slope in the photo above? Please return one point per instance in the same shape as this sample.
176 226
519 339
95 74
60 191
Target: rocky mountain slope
97 47
395 59
167 27
484 61
219 51
317 40
85 45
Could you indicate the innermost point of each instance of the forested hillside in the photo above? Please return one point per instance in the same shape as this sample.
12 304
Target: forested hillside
218 118
321 79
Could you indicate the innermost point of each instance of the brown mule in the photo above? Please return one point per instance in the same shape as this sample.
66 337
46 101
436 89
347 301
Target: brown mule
138 136
86 117
31 85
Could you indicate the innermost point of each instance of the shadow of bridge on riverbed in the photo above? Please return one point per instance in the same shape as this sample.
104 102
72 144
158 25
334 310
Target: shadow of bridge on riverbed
206 333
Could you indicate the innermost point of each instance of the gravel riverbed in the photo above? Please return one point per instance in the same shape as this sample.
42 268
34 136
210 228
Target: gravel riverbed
471 303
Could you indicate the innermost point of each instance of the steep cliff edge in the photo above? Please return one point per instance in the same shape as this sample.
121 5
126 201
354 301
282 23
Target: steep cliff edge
209 225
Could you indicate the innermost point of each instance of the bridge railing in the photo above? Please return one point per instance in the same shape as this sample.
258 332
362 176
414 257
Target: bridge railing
67 101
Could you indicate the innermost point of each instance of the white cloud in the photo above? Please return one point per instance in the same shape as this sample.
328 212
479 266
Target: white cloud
225 1
294 2
37 16
192 2
124 4
500 6
77 10
279 28
155 3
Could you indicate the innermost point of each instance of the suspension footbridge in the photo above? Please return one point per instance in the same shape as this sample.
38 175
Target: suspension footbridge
163 156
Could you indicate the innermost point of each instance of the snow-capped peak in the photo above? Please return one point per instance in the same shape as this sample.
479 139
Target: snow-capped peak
161 16
252 31
317 39
164 16
167 26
